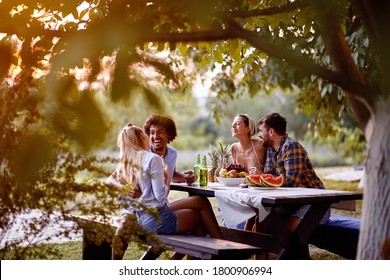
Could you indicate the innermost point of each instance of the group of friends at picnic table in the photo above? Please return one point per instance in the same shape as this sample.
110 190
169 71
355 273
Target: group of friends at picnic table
148 164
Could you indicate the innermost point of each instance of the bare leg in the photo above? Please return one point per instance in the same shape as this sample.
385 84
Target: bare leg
189 221
122 236
203 207
260 227
292 223
250 223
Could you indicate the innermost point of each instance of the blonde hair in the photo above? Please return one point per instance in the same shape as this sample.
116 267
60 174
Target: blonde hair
249 122
131 151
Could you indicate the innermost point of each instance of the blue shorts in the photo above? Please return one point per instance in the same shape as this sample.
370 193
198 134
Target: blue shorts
166 223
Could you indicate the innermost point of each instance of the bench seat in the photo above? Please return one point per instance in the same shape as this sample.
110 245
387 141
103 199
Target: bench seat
202 247
205 247
339 235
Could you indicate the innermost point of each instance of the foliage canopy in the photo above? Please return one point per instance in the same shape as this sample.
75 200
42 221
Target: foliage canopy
58 55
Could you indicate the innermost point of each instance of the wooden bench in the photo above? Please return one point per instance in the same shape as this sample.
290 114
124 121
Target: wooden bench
339 235
98 234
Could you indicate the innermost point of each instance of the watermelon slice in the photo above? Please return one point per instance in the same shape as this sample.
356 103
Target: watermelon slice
265 180
268 180
253 180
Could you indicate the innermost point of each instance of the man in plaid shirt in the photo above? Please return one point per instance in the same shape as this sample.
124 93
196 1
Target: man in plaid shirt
287 156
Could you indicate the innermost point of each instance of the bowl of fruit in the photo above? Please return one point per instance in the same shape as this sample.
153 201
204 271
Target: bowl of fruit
232 175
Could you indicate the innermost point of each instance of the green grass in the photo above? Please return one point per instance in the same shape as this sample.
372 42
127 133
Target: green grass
72 251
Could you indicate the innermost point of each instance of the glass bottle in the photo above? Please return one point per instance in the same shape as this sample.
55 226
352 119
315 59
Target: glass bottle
197 168
203 173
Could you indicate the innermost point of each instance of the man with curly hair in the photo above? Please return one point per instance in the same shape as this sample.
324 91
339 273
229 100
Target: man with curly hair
161 131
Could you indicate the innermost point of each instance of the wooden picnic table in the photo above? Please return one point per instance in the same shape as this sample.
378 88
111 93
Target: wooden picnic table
286 244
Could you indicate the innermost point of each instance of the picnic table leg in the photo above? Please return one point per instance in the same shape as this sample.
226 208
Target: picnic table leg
296 244
151 254
295 252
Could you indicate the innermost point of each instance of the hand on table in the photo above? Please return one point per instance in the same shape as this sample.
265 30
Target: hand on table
190 177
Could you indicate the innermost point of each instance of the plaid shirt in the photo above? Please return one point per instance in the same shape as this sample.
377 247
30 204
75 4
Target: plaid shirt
292 161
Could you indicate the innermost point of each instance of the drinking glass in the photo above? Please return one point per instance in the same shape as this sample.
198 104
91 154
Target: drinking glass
252 169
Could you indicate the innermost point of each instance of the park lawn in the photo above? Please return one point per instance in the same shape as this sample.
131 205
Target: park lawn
72 251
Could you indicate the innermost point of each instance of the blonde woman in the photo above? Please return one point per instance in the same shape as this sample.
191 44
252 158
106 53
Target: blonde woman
137 166
247 152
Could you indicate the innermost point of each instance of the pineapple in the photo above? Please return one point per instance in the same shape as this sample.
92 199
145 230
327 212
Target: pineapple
223 153
213 154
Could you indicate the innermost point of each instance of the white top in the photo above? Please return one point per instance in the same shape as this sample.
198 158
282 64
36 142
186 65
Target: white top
170 159
152 184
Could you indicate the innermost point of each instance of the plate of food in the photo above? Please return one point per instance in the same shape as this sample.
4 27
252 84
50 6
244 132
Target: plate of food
231 181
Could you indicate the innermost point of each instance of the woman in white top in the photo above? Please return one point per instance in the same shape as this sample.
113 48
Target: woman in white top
138 166
247 152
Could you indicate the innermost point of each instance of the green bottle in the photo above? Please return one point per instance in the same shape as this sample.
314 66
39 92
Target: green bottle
197 168
203 173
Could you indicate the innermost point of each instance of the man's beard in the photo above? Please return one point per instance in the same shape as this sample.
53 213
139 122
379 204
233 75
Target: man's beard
267 144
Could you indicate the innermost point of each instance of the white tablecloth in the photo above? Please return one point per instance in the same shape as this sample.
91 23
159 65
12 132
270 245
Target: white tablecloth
238 204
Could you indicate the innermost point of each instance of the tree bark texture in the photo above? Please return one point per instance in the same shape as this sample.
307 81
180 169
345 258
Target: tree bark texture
375 222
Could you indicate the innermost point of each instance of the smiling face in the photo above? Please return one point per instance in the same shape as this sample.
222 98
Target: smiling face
239 127
158 137
265 134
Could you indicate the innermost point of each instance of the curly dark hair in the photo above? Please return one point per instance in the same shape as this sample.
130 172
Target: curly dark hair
164 121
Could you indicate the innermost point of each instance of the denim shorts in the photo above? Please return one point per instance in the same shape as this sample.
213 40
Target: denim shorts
166 223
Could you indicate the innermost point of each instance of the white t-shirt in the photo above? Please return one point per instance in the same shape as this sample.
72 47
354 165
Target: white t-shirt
152 184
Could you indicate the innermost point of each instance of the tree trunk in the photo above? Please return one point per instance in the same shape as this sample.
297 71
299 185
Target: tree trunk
375 223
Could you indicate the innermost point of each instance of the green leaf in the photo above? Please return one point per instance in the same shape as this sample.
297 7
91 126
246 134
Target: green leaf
75 13
236 68
343 29
323 91
263 55
206 59
218 56
233 45
182 48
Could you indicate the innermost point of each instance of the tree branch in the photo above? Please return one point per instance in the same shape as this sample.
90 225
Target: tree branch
292 6
342 60
234 30
196 36
297 61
